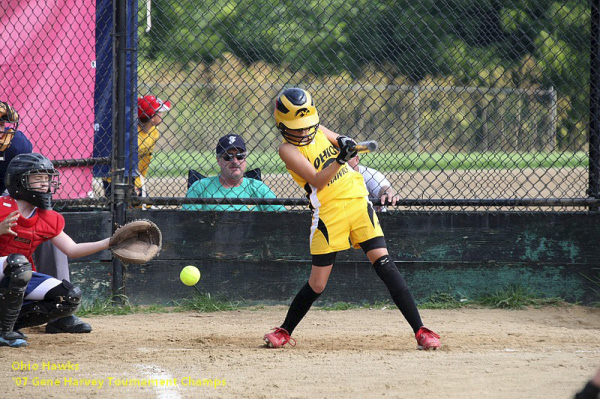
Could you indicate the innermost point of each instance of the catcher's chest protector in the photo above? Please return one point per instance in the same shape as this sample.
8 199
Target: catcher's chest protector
44 225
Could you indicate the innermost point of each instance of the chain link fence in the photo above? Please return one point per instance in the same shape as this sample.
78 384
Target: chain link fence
47 76
479 105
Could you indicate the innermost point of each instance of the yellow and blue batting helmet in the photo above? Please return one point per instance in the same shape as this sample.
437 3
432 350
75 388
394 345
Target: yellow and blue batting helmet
294 111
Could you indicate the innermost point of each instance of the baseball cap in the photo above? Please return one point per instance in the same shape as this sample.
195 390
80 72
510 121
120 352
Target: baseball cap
230 141
148 106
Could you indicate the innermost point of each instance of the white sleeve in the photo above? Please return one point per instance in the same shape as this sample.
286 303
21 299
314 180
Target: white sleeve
374 180
2 266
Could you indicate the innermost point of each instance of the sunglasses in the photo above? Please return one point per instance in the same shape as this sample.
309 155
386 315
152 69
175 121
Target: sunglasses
240 156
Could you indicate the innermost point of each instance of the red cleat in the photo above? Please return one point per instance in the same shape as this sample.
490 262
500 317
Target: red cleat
427 339
278 338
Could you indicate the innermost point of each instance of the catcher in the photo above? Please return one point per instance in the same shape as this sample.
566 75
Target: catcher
28 298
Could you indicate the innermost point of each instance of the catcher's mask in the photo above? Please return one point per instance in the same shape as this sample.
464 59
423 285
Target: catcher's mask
295 112
32 178
9 123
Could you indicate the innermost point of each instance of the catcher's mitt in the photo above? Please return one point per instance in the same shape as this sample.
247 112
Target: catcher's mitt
136 242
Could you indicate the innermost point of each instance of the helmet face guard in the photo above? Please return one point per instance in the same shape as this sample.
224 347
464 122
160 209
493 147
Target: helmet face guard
22 181
53 181
295 113
297 136
40 194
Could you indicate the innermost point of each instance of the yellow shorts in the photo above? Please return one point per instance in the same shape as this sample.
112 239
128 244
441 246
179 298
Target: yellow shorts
339 220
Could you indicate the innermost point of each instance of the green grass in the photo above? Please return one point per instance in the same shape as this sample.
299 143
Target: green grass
516 297
595 280
177 163
511 297
444 300
207 303
120 305
116 306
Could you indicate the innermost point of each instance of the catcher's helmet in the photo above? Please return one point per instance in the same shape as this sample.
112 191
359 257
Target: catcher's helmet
10 119
295 110
17 179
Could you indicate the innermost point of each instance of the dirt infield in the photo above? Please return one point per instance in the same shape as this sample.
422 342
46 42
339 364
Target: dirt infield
535 353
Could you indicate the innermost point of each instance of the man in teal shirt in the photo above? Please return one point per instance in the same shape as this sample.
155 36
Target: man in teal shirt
230 183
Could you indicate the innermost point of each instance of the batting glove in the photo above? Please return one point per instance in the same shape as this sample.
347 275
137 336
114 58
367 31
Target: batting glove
347 149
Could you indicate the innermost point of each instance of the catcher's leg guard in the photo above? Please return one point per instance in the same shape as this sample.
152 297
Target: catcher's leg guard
62 300
18 273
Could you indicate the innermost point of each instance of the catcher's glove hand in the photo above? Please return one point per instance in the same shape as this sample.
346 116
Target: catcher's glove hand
136 242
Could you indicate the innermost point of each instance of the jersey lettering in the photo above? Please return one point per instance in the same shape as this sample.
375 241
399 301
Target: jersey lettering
346 183
324 156
339 174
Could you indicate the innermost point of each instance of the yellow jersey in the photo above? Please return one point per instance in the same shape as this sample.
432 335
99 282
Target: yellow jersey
146 142
347 183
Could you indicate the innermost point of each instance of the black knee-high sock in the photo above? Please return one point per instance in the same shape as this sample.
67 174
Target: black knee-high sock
299 307
387 271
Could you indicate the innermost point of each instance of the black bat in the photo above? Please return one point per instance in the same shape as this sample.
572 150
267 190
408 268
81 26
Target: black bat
367 146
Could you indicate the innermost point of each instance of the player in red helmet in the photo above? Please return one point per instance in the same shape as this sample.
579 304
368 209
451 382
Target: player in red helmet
150 113
151 110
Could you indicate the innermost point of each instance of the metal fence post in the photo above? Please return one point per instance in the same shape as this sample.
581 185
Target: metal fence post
120 184
594 139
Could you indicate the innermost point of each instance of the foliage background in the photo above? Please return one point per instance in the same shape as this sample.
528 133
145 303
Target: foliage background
422 78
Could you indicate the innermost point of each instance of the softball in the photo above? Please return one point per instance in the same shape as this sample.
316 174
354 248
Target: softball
190 275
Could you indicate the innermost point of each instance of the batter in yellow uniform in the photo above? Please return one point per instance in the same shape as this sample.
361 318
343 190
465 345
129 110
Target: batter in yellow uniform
340 209
317 159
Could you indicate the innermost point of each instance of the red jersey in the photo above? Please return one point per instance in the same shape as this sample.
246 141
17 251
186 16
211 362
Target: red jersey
44 225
